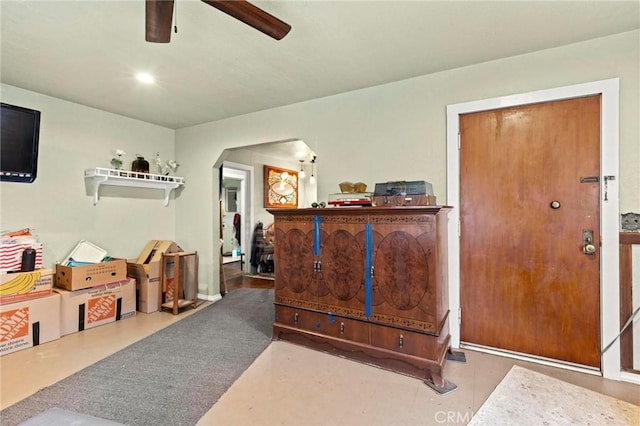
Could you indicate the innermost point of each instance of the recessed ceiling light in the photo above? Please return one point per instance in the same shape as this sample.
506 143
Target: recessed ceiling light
145 78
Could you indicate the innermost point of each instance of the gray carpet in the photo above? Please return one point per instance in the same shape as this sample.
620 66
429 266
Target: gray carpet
172 377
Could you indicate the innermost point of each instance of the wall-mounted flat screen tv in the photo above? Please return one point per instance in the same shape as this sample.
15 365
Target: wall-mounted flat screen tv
19 134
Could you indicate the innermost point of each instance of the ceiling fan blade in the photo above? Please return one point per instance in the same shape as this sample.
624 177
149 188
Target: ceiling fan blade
159 14
253 16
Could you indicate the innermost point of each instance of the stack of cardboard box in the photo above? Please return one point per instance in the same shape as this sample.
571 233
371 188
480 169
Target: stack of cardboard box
93 295
44 305
29 311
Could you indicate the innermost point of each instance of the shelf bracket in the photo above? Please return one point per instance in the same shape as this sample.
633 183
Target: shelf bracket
167 193
96 187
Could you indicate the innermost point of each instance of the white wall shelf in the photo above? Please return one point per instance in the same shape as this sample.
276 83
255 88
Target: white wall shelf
103 176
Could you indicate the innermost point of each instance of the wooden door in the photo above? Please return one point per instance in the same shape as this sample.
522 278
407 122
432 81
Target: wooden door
529 191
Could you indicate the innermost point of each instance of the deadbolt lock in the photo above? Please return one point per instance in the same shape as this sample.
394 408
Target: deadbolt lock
588 247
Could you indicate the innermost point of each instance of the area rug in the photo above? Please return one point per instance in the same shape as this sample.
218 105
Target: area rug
58 417
525 397
172 377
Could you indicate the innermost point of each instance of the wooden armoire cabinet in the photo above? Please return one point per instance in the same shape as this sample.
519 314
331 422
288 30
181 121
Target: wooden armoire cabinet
368 283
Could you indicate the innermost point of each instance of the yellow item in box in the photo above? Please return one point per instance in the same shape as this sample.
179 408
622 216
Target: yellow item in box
92 307
87 276
29 323
25 285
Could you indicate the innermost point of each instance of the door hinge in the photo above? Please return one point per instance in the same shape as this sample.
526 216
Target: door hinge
459 229
459 316
459 137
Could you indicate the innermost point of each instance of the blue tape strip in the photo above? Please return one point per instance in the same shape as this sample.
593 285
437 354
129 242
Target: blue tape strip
331 319
367 270
316 235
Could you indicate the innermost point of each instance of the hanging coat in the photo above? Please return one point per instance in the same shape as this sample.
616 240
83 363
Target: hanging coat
236 227
257 245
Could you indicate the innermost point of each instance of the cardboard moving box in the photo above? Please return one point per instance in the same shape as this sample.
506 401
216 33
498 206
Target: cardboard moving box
25 285
92 307
154 249
81 277
146 271
148 292
29 323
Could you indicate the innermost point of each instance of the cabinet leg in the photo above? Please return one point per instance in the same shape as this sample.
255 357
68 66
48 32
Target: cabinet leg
439 384
456 356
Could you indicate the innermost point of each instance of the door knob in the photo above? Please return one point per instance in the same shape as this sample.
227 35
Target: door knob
587 242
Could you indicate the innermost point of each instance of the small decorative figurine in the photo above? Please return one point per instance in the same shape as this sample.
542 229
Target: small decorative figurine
116 161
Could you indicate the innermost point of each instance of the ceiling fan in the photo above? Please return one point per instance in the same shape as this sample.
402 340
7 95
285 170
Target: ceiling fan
159 14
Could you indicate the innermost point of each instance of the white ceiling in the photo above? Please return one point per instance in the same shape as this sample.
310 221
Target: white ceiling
217 67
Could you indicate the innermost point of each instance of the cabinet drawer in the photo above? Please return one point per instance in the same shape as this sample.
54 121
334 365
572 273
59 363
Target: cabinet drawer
403 341
295 317
343 328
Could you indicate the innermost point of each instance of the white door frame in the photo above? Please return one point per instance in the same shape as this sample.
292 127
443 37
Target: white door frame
243 173
609 210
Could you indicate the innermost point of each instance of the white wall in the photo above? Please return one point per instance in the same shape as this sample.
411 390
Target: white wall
397 131
390 132
57 205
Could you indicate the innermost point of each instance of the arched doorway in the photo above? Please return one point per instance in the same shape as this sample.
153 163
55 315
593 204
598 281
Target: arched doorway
241 183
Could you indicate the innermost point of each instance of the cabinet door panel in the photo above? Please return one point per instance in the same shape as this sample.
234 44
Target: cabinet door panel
342 265
342 258
404 271
296 281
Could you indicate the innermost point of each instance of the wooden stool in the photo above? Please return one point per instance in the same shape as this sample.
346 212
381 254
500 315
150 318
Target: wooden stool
179 299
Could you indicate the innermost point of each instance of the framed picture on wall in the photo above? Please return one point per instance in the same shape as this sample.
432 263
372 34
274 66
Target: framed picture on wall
280 187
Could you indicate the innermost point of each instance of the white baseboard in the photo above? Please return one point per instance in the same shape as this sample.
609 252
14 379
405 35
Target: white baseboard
213 298
630 377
